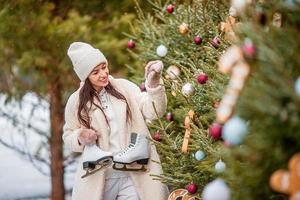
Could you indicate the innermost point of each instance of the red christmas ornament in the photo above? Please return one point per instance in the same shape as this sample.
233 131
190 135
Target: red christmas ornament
130 44
216 42
261 16
156 136
169 117
142 87
202 78
170 8
192 188
249 49
215 131
198 40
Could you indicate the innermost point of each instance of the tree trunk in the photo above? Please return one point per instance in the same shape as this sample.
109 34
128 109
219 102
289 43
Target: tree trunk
56 144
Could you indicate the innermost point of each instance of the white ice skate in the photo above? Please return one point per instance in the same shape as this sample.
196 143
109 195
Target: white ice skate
95 159
137 151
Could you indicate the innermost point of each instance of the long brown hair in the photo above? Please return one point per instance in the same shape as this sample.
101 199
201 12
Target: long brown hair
87 94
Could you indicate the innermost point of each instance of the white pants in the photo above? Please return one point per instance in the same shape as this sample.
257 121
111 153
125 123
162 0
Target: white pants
120 189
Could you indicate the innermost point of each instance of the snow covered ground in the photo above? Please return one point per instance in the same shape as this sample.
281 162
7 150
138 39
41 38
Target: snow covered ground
19 179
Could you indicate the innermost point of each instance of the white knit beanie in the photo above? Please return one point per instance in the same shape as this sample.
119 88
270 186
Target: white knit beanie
84 58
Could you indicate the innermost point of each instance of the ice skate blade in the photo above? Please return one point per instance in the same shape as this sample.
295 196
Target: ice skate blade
89 165
102 163
125 168
142 162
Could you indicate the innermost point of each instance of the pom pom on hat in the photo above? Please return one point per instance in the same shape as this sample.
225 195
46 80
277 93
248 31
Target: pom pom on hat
84 58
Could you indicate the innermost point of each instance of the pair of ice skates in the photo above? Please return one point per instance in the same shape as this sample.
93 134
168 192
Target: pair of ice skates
95 159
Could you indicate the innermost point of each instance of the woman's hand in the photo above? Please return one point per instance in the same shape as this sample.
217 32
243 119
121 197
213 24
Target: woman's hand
87 136
153 71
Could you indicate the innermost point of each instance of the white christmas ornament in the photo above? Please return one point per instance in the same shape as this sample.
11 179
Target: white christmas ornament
233 12
297 86
216 190
234 131
161 50
188 89
220 166
240 5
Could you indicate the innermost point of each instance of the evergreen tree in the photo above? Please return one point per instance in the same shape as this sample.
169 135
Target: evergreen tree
269 102
186 36
34 37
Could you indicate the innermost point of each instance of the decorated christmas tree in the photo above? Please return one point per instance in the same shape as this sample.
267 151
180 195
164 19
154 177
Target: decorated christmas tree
261 115
244 124
188 37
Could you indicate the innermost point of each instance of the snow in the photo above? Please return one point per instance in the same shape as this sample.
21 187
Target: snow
19 179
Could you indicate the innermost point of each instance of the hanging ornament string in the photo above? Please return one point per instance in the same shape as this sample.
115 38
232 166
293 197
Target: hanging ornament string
188 128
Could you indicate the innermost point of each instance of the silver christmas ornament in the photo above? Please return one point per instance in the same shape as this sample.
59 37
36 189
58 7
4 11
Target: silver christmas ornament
173 72
188 89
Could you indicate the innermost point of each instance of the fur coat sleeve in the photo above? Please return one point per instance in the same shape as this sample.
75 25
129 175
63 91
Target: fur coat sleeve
71 127
146 99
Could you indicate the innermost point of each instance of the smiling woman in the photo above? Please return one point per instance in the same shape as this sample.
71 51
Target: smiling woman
99 76
105 120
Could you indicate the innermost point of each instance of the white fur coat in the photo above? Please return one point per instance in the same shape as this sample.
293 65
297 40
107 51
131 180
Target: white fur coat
140 103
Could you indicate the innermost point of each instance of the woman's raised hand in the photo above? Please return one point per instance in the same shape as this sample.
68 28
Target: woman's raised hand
88 136
153 71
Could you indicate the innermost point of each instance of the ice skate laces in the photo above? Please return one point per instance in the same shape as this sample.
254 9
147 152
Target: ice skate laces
130 147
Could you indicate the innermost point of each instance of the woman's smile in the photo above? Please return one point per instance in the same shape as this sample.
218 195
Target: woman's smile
103 80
